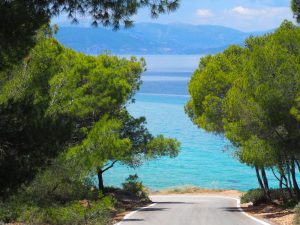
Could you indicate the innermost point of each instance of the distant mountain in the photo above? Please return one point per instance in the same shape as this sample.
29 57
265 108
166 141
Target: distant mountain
150 38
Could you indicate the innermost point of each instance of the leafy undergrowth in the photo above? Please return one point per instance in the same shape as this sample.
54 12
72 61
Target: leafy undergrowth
50 204
281 207
283 199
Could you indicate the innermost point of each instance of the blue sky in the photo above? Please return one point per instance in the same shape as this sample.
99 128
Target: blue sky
245 15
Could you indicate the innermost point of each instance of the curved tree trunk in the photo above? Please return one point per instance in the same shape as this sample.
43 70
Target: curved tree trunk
100 180
266 183
289 174
294 179
265 179
259 179
100 172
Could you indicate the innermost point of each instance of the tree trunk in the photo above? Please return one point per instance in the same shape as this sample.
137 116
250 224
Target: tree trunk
266 183
287 186
100 180
298 165
289 174
259 179
265 179
295 184
281 188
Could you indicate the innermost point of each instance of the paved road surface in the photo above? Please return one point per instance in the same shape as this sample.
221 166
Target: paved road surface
190 210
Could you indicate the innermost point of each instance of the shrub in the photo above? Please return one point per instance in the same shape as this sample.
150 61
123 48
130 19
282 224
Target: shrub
73 213
134 186
96 212
60 183
256 196
55 197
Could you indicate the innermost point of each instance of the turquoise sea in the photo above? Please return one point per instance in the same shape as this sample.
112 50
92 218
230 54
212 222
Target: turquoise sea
205 160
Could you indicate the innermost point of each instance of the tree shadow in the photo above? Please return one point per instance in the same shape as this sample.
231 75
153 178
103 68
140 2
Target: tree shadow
176 203
274 212
132 220
152 209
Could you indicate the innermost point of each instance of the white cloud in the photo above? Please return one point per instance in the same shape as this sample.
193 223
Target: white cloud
254 12
204 13
246 11
248 18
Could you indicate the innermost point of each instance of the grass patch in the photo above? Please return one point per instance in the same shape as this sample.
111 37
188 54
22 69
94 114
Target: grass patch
187 190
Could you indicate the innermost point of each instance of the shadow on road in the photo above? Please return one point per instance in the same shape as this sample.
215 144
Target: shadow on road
132 220
231 209
175 203
152 209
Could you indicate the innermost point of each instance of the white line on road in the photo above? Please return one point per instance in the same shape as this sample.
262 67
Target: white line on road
246 214
133 212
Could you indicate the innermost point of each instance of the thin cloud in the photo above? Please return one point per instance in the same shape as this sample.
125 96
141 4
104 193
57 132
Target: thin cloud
248 18
253 12
204 13
247 11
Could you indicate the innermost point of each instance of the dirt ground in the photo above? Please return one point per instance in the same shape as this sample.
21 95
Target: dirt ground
197 191
273 213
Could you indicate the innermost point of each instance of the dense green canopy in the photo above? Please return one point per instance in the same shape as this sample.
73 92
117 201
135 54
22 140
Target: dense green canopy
21 19
296 9
251 94
57 100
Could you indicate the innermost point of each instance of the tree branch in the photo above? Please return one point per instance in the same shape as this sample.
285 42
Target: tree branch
278 177
107 168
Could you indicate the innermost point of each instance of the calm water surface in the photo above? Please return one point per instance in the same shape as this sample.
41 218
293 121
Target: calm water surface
205 160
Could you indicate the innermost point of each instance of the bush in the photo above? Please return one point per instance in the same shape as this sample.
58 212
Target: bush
282 197
60 183
85 212
56 196
256 196
134 186
72 213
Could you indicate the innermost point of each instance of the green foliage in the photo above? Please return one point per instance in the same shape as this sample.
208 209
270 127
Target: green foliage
281 196
295 110
160 147
256 196
295 4
21 20
60 103
250 95
134 186
102 144
73 213
60 183
51 102
58 196
96 212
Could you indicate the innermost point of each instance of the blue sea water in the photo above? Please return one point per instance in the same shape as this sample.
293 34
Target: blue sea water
205 159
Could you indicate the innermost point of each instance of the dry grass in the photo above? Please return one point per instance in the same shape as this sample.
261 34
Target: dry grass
197 191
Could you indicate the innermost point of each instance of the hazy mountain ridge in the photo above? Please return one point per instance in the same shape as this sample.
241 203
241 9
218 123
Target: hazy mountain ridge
150 38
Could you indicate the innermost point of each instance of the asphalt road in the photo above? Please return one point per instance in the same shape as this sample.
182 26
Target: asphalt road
190 210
